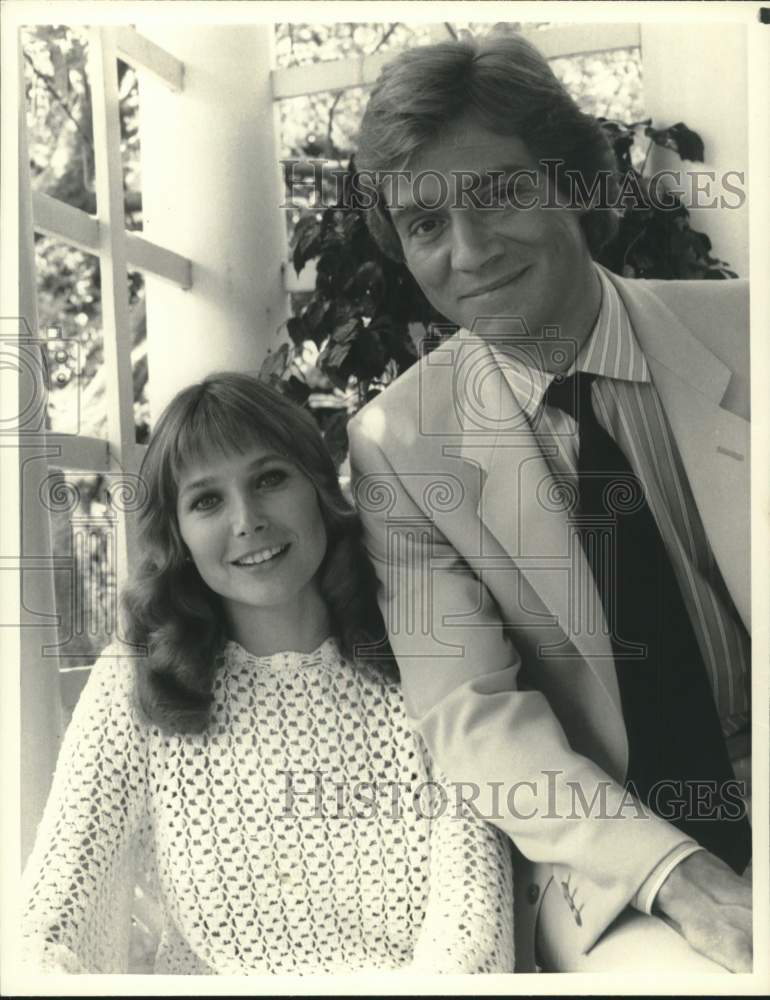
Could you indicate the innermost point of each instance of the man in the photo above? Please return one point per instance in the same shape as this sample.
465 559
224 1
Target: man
560 651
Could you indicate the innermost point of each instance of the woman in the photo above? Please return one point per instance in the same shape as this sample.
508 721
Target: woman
256 761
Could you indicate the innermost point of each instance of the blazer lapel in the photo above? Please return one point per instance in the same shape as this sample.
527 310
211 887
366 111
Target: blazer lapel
714 443
522 505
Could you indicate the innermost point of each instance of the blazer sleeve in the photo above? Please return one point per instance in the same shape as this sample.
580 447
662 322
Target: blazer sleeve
481 726
78 884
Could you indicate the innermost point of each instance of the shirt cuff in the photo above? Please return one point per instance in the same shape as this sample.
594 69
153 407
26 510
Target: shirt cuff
648 890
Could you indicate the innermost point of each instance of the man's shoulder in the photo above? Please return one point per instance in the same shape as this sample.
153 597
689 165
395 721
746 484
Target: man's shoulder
716 298
715 312
422 395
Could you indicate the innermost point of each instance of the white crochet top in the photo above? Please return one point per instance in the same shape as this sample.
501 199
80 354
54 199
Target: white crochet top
295 835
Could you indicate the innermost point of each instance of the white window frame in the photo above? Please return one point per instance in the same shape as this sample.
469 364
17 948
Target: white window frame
104 235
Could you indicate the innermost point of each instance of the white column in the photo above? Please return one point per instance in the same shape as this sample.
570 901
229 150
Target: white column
211 189
697 74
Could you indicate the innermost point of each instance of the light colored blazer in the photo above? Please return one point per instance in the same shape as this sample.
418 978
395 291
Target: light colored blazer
488 599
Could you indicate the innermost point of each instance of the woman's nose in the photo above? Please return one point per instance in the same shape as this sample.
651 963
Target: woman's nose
474 244
248 515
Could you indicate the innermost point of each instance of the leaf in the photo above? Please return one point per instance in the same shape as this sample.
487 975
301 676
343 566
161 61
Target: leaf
368 356
275 363
368 280
621 138
720 272
396 340
315 317
335 353
297 390
336 437
682 140
345 332
306 241
295 327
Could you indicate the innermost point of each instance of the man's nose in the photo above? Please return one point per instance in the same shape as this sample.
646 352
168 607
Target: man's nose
248 515
474 244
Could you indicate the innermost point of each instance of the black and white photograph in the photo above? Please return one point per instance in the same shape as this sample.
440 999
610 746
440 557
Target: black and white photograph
385 595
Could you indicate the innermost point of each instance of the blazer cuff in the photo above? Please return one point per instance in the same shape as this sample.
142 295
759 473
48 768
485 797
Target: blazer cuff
648 890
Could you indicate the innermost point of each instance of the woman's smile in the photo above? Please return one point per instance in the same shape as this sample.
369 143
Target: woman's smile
262 558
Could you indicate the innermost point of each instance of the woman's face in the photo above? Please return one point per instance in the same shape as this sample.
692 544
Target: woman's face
254 528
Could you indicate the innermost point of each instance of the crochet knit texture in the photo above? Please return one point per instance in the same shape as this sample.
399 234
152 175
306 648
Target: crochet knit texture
297 834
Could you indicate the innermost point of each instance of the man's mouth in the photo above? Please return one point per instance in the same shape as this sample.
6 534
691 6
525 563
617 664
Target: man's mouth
493 286
261 556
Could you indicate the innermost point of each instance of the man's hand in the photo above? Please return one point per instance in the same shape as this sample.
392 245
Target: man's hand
710 906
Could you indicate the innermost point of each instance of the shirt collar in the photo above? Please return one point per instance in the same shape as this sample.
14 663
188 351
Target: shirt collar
611 351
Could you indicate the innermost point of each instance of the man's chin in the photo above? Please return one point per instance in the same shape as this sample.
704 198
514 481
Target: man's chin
508 322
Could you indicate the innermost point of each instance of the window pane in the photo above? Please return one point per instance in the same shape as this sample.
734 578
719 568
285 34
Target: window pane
130 149
139 362
70 311
59 123
606 84
321 126
300 44
70 314
480 28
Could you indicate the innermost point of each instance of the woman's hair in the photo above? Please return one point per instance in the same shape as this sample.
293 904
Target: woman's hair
167 606
509 88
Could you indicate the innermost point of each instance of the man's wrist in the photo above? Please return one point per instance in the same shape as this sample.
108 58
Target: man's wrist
647 894
668 888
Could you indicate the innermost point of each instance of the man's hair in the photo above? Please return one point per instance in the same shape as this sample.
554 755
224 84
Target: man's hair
508 86
168 607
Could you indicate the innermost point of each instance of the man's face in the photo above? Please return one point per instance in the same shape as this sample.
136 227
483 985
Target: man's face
474 263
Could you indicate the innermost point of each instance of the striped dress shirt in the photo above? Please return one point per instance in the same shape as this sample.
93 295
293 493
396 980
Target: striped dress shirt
628 408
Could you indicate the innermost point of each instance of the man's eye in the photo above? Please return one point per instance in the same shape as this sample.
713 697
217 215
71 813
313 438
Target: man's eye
504 191
495 189
425 228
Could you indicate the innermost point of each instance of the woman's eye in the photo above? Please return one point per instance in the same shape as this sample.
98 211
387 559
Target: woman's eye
205 503
273 477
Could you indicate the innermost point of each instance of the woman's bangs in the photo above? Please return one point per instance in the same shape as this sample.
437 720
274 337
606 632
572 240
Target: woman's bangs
213 431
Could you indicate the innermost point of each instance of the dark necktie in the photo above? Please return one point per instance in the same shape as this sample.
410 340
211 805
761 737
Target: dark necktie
674 733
